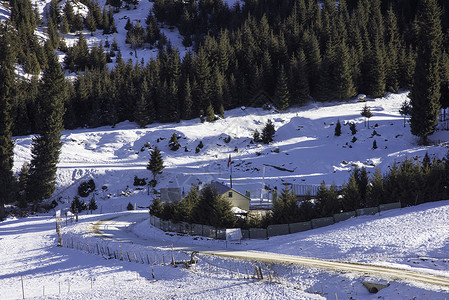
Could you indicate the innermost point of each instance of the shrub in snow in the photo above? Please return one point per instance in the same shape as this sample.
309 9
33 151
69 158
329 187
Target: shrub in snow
374 144
353 128
174 144
139 181
130 206
86 187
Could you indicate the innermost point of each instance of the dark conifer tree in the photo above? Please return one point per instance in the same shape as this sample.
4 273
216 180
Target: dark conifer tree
156 163
53 34
187 107
444 90
338 128
285 208
351 195
143 114
46 147
268 132
213 210
298 81
342 76
425 94
375 194
7 86
282 94
65 27
366 112
22 185
392 48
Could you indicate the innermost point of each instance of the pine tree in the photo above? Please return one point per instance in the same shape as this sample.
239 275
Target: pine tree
285 208
351 195
65 28
282 94
210 114
53 34
366 112
375 194
7 180
405 109
268 132
425 93
144 112
338 128
92 204
22 185
344 84
213 210
156 208
156 163
327 202
46 147
187 108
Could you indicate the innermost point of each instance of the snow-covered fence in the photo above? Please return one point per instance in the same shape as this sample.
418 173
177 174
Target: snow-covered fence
272 230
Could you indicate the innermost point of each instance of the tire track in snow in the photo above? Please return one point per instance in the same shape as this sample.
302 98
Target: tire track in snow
120 224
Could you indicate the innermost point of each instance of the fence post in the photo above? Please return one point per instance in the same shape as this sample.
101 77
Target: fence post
23 290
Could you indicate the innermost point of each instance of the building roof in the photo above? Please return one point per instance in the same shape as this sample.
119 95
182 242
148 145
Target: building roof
221 188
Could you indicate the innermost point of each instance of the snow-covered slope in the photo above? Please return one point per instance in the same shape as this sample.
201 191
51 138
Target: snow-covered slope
309 152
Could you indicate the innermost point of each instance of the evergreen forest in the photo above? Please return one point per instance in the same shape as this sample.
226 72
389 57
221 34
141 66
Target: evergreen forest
282 52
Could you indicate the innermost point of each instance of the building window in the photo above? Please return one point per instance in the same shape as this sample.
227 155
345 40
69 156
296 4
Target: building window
229 194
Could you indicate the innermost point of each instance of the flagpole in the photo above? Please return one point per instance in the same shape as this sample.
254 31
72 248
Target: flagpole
231 176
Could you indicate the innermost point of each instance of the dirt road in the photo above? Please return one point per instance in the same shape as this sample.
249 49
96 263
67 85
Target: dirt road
117 228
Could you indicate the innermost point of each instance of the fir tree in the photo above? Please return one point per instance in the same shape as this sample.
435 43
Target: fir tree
210 114
285 208
425 93
7 79
213 210
268 132
375 193
46 147
22 185
156 208
65 27
282 94
351 195
327 200
156 163
405 109
92 204
338 128
366 112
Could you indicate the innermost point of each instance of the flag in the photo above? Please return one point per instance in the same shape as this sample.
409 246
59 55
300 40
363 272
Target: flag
229 160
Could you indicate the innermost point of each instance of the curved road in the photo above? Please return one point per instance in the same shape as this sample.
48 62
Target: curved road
117 228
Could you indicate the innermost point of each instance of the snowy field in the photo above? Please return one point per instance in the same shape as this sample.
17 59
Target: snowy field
414 238
411 238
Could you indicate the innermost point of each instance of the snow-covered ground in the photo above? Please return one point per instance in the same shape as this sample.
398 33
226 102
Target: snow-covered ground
309 152
412 238
409 238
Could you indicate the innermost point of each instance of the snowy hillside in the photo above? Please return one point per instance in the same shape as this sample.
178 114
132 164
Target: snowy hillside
309 152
